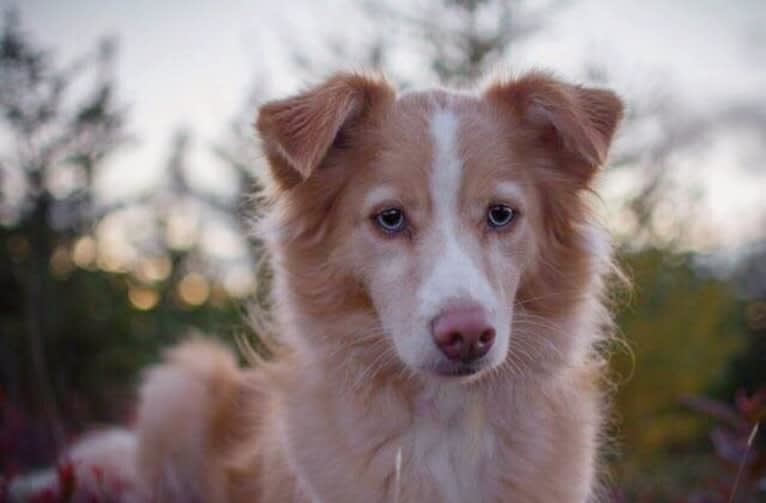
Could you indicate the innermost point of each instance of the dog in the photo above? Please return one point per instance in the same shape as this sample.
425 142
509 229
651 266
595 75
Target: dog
439 300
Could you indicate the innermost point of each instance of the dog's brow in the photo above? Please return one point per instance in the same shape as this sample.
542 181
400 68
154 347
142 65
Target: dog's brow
378 195
510 190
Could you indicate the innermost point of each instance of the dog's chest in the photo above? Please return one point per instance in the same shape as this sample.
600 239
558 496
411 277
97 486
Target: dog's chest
451 447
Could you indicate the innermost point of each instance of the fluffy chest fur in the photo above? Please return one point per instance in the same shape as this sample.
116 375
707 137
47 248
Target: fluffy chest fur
439 447
446 445
451 444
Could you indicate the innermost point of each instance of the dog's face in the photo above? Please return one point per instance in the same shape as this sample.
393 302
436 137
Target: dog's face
433 210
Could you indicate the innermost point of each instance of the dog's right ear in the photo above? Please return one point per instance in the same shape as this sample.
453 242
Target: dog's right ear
298 132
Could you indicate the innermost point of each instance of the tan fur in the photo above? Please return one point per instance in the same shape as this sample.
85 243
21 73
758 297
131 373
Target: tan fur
327 419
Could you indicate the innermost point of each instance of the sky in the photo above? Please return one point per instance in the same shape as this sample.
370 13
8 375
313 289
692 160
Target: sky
191 63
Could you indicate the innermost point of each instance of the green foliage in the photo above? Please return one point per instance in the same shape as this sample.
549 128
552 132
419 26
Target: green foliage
96 339
683 329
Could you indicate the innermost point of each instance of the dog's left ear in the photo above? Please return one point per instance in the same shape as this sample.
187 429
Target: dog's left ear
575 123
298 132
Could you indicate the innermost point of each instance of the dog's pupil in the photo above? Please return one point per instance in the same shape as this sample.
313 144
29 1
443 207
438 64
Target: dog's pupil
500 215
391 218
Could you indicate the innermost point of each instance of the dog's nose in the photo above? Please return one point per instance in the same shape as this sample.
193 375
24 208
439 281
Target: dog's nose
463 333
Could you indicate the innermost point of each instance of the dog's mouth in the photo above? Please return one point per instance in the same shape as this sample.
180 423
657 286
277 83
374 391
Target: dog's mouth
457 369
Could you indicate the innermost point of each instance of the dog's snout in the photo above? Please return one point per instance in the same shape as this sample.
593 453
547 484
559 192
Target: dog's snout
463 334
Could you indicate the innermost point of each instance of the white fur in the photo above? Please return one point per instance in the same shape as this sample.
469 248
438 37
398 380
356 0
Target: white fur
109 452
454 276
450 441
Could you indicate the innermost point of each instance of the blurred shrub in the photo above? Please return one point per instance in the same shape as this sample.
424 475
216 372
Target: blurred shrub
684 325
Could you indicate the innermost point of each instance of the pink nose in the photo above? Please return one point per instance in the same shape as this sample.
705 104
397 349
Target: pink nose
463 333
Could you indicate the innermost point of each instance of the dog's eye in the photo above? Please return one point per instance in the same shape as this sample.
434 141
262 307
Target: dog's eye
499 215
391 220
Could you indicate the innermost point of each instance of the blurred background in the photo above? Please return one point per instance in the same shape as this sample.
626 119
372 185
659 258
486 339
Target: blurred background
127 156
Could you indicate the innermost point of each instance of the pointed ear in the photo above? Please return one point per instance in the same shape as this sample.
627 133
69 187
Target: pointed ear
575 123
298 132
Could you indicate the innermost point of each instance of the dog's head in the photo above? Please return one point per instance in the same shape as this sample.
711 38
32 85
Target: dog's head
447 225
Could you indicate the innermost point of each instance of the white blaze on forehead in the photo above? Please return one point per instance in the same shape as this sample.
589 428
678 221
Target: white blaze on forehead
448 167
454 275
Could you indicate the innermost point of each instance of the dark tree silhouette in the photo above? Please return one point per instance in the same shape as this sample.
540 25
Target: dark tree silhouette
58 140
77 323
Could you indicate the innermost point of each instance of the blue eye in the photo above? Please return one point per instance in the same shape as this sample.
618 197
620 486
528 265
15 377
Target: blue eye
499 215
391 220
